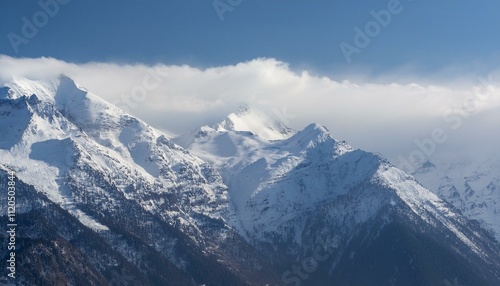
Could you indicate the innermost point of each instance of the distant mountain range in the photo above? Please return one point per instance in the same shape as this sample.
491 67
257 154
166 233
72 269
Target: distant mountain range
472 186
105 199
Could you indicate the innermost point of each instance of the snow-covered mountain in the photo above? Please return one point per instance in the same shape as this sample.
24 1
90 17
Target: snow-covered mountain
245 119
65 131
311 191
471 186
261 124
106 199
122 179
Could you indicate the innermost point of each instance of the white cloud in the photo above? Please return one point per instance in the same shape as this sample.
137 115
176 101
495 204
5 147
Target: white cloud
380 117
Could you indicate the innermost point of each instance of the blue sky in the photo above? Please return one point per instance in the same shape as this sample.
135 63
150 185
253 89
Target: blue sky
459 36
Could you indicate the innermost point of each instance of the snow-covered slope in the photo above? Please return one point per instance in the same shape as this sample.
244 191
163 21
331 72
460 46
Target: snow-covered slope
114 173
310 189
472 187
271 182
65 129
253 167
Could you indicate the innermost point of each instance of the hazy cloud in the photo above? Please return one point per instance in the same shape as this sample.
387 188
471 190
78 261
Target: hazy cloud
381 117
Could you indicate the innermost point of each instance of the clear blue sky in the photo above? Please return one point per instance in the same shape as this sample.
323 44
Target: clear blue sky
429 35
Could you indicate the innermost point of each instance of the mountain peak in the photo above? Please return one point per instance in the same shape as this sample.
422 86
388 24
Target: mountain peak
426 167
313 134
18 87
316 128
50 91
66 82
68 90
257 122
82 108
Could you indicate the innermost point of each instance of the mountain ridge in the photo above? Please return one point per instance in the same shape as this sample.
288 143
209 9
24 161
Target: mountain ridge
117 173
231 206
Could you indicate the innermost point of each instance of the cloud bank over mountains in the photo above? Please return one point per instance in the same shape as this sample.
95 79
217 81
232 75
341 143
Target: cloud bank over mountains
384 117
